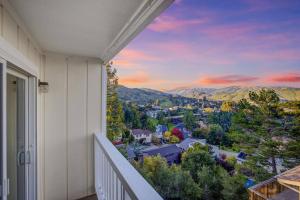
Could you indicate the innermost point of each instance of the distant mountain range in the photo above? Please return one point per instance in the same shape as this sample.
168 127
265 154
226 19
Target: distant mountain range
234 93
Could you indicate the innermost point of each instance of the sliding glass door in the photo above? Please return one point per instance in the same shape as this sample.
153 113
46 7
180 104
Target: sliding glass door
18 133
16 107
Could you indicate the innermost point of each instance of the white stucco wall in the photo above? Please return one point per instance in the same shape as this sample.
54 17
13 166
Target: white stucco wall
67 115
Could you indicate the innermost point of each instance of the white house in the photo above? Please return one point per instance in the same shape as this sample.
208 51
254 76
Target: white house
140 134
52 98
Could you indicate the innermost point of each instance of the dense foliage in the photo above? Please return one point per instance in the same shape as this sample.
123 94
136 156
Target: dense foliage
189 120
115 125
197 178
263 129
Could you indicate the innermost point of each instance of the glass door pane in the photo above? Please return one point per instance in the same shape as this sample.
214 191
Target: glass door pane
16 136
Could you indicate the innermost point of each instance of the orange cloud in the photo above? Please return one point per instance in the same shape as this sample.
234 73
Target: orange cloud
169 23
141 79
226 80
134 79
286 78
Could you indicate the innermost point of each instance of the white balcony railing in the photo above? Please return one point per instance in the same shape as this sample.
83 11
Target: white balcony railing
115 177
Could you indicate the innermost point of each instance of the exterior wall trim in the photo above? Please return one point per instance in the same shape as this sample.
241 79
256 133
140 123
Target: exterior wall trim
139 20
11 54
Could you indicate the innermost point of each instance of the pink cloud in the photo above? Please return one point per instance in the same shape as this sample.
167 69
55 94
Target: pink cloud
285 78
131 54
226 80
170 23
129 58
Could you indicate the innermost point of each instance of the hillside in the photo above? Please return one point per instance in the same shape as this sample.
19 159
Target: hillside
176 96
235 93
140 96
144 96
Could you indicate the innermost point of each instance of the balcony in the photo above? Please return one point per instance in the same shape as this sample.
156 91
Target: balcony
115 177
285 186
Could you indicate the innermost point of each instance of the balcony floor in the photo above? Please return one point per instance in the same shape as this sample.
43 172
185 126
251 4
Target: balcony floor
91 197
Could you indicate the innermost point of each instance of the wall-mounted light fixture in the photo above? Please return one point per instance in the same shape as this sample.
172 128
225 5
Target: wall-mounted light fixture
43 87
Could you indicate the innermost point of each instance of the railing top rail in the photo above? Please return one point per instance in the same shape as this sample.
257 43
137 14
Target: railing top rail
136 186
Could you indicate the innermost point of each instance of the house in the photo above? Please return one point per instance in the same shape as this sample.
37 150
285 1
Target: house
160 130
285 186
152 113
186 133
189 142
141 134
53 98
171 153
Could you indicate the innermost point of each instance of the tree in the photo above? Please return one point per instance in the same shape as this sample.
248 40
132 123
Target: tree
204 171
234 187
194 159
174 139
259 126
189 120
176 132
170 182
132 116
291 155
208 110
200 133
151 124
215 134
221 118
161 118
209 179
226 106
144 120
167 135
115 125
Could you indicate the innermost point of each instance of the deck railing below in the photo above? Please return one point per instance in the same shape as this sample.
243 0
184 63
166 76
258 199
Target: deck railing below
115 177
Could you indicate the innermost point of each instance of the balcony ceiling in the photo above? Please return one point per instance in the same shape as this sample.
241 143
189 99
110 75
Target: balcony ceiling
94 28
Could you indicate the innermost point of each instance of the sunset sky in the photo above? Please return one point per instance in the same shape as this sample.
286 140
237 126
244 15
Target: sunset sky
213 43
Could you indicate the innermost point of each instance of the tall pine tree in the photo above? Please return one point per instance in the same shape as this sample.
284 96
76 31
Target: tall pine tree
261 129
115 125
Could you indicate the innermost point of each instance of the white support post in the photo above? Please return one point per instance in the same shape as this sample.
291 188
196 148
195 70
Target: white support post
104 96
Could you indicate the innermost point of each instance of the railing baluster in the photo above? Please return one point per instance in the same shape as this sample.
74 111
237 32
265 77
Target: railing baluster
115 178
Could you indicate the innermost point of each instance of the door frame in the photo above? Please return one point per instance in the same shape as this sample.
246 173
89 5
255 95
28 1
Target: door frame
30 130
3 179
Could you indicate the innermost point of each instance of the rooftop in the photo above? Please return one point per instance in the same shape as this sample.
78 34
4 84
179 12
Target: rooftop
163 151
141 132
